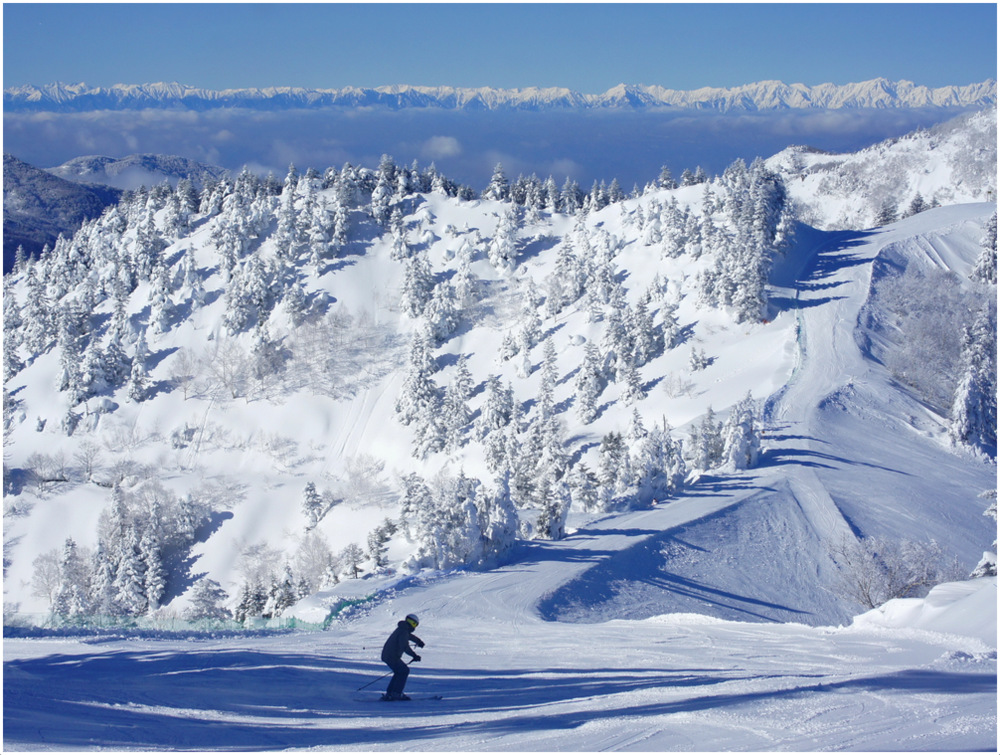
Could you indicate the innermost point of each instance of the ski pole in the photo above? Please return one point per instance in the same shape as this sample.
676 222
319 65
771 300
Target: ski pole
375 681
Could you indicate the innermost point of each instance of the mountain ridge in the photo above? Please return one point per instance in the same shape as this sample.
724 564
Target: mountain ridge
877 93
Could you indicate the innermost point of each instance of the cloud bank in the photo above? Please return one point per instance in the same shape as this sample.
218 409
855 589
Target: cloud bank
589 146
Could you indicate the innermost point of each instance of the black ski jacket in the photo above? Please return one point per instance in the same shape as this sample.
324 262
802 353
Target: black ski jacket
399 643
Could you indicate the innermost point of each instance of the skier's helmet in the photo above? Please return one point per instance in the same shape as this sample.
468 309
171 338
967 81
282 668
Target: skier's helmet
413 620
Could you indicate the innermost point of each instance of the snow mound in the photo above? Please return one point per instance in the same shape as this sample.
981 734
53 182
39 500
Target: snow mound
967 608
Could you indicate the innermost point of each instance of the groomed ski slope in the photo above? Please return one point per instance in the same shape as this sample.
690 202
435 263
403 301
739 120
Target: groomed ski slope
521 654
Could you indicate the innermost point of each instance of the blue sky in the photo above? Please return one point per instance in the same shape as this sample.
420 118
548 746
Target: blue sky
586 47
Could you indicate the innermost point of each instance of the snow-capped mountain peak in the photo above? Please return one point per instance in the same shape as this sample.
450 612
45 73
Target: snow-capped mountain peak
764 95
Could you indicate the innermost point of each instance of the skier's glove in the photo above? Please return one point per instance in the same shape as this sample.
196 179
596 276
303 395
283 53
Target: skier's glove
416 658
420 643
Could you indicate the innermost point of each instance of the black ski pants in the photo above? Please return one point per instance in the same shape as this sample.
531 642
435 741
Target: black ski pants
398 681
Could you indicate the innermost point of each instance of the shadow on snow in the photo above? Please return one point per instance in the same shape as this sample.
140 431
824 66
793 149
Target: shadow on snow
246 700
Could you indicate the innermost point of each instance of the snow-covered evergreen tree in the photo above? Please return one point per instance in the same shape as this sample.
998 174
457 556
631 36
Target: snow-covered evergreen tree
455 406
706 447
614 461
590 383
498 188
207 602
974 409
497 408
138 381
987 566
502 251
312 505
741 436
986 264
554 502
442 311
657 464
497 521
352 557
418 285
72 597
154 578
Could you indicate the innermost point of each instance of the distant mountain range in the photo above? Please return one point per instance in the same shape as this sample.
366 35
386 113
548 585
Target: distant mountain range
766 95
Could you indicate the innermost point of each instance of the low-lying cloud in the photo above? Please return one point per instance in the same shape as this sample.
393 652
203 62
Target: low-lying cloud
438 147
586 146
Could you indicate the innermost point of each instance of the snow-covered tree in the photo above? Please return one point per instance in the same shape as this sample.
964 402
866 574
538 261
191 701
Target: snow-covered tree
570 198
614 461
419 395
72 597
554 501
138 381
657 464
497 408
382 194
251 603
445 525
352 557
442 311
497 521
633 390
706 447
207 602
987 566
590 383
154 578
312 505
741 436
974 409
498 188
418 285
455 406
986 264
886 213
502 251
566 283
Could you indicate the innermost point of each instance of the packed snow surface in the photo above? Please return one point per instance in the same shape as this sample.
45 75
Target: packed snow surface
510 681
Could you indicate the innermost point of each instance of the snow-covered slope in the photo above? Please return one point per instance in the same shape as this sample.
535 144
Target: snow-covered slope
694 616
833 460
667 684
948 164
38 206
133 171
765 95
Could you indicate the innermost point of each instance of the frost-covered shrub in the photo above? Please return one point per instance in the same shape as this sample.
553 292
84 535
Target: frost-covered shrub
874 570
916 319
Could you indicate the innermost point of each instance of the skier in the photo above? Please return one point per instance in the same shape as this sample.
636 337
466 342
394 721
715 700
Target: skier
392 655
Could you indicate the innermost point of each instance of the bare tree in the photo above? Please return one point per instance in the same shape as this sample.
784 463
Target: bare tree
47 576
874 570
185 370
227 366
44 469
88 456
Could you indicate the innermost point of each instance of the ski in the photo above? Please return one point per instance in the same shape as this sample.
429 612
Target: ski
413 699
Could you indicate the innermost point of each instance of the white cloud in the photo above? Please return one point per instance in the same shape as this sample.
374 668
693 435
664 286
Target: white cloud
439 147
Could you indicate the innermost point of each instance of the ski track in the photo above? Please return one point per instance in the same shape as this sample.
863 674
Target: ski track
512 681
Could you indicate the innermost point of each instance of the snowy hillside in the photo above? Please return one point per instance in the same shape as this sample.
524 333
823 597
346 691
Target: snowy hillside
765 95
38 206
272 390
133 171
631 459
948 164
